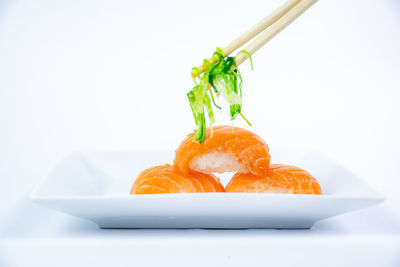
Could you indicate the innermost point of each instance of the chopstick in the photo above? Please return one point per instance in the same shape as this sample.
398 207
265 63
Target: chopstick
274 29
268 27
260 27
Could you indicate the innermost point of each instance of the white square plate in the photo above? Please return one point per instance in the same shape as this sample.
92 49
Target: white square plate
96 186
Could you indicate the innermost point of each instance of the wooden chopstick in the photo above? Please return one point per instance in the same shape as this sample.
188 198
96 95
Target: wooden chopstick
259 27
274 29
271 25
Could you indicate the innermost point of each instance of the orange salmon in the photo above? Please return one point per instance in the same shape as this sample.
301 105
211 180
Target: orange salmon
280 179
225 149
167 179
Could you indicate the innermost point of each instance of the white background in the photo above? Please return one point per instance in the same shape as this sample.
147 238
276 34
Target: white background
112 75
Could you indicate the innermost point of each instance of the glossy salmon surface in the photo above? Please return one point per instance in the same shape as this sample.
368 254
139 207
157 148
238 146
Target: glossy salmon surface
280 179
240 145
167 179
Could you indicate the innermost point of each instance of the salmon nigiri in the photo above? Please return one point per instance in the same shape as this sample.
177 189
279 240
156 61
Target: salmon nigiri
225 149
167 179
280 179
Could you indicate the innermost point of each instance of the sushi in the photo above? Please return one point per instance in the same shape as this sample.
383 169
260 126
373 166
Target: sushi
167 179
281 178
225 149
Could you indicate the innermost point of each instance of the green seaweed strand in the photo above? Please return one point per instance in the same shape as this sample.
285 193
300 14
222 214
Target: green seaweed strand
220 78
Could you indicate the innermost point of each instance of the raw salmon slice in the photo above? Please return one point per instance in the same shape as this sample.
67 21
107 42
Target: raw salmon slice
167 179
280 179
225 149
